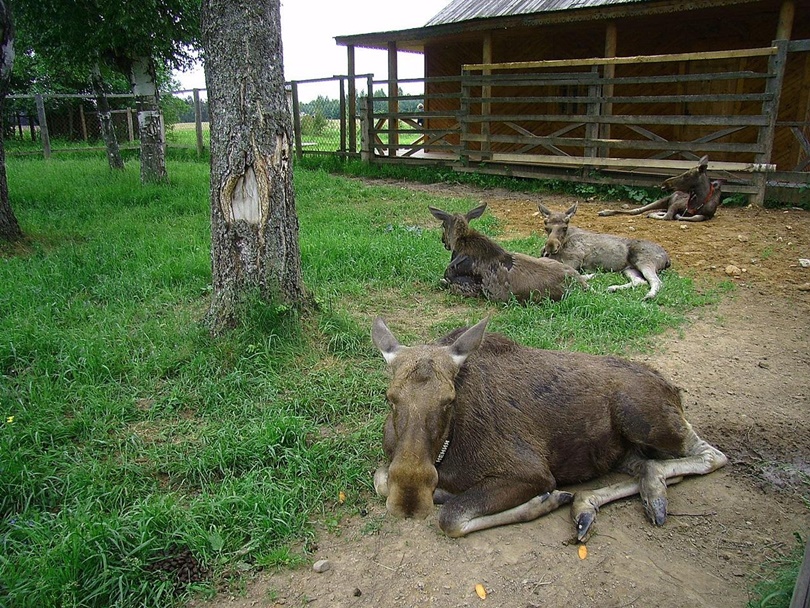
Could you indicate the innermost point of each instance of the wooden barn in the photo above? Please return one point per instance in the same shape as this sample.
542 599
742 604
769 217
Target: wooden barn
601 90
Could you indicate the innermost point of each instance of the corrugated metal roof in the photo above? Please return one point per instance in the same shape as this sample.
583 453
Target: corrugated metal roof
464 10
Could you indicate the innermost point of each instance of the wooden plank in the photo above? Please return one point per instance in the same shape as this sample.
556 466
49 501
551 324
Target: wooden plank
627 163
586 99
541 172
556 79
628 119
637 59
801 590
622 144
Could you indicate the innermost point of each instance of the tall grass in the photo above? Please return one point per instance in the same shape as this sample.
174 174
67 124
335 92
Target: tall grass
129 436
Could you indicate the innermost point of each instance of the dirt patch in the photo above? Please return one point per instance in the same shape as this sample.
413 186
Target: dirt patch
743 367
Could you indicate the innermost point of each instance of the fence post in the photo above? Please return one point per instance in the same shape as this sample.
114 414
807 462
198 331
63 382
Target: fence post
366 145
130 126
43 126
296 112
463 118
83 120
770 108
198 121
342 119
592 111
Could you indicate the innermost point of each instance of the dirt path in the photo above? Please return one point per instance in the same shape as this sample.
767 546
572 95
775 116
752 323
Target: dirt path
744 367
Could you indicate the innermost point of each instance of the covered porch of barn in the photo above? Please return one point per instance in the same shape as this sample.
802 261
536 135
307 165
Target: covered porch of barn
607 118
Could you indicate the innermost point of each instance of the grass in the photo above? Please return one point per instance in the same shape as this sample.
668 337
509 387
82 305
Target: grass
128 435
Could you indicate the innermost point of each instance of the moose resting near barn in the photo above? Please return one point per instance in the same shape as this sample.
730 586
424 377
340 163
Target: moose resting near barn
480 266
639 260
491 430
695 198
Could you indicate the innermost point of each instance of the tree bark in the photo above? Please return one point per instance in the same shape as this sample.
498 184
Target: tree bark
105 120
150 129
9 227
254 224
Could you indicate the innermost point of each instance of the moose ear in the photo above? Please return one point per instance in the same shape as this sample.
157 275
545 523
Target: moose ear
384 340
468 342
543 209
439 214
477 212
703 163
571 211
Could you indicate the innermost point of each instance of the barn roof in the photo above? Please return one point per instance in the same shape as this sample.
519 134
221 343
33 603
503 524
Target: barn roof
463 10
466 17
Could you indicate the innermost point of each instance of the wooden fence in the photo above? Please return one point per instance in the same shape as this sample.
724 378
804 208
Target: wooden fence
626 120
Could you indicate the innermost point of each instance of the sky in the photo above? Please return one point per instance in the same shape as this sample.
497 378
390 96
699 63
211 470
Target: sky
308 29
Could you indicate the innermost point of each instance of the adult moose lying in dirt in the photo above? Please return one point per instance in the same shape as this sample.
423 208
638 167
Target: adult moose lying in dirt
695 198
491 430
638 259
480 266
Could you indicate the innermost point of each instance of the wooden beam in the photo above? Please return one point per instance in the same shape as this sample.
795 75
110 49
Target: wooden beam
559 63
611 42
626 163
352 100
393 95
785 25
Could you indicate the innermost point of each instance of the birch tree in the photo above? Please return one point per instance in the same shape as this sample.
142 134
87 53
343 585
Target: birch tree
254 223
9 227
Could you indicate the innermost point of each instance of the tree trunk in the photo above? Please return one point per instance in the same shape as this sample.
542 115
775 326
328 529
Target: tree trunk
9 228
254 225
105 120
150 129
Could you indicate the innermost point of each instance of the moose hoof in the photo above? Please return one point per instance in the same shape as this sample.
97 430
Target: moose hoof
584 523
605 213
656 510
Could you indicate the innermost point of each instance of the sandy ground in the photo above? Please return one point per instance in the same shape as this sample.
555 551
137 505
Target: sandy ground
744 369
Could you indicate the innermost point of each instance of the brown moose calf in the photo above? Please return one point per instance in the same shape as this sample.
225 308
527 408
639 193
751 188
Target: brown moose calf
694 198
492 430
480 266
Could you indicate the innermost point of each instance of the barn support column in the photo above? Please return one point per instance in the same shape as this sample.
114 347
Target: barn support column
352 101
486 91
607 90
785 26
393 99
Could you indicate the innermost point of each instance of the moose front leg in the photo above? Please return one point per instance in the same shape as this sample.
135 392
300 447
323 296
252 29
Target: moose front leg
497 502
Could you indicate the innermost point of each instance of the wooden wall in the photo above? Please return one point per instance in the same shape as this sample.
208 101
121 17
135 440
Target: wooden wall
747 26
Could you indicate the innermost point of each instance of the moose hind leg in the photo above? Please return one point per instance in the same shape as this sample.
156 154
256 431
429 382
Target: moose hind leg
635 280
701 458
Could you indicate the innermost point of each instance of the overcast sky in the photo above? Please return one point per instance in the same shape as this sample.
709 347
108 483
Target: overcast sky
308 29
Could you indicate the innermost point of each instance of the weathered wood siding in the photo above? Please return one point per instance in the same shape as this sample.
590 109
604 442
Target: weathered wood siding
715 29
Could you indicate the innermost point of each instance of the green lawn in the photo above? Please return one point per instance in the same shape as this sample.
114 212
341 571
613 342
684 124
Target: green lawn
128 435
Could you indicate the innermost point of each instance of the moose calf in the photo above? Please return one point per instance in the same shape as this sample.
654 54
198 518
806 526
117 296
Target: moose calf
477 261
695 198
639 260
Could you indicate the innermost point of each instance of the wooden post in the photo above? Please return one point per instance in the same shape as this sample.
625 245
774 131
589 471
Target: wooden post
770 108
43 126
198 121
342 150
130 126
463 118
801 589
393 99
785 25
81 118
607 89
486 91
366 146
592 128
352 102
296 115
